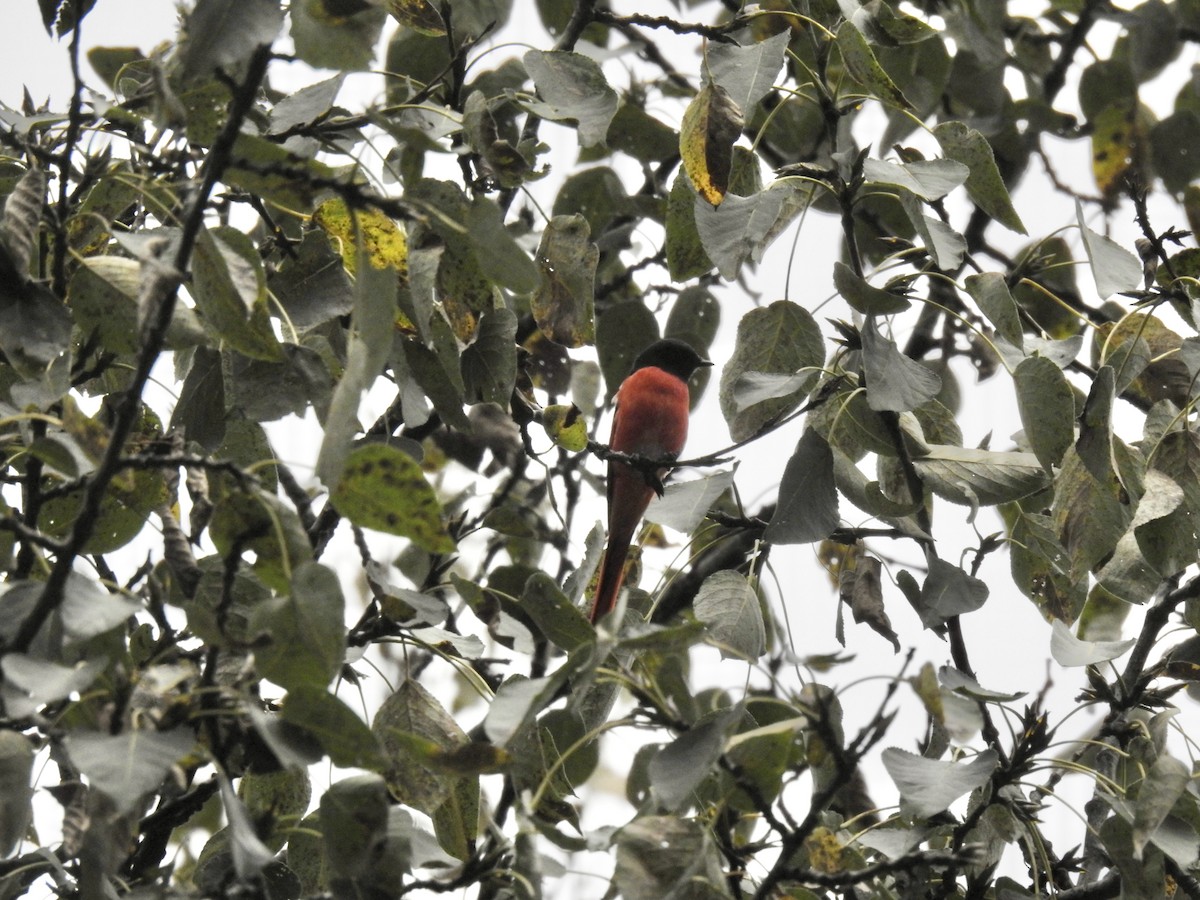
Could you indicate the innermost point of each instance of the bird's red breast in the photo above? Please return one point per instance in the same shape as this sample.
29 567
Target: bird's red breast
651 420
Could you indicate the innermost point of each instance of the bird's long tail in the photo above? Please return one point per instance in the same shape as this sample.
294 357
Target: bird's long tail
629 497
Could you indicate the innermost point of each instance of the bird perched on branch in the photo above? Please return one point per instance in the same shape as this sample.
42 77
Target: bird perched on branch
651 422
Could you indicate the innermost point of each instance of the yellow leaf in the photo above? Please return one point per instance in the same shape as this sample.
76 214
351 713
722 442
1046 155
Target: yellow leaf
711 126
825 851
383 239
382 488
566 427
1118 138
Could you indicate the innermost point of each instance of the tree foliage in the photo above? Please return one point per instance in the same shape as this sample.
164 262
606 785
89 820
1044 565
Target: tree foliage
376 324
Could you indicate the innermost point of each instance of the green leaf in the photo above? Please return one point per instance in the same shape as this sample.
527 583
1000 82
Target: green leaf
489 365
123 512
343 736
686 257
563 304
456 822
867 495
1047 407
929 786
384 489
30 683
1070 651
944 245
565 730
666 856
948 591
425 368
712 123
576 583
622 333
231 292
865 68
1088 514
87 610
678 768
21 221
500 257
685 504
1095 443
504 162
125 767
61 16
573 88
1164 784
307 106
979 477
103 295
883 26
201 411
1114 268
266 391
1140 878
729 608
694 318
991 294
762 748
261 523
1128 573
739 230
224 33
747 72
354 825
929 179
271 171
753 388
1041 568
985 185
250 854
328 40
634 131
35 327
412 712
1171 141
895 383
865 297
16 792
283 795
402 605
964 685
561 621
301 637
807 509
516 702
597 194
782 338
851 427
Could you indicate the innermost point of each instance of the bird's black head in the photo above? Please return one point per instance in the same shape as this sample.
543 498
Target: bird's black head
671 356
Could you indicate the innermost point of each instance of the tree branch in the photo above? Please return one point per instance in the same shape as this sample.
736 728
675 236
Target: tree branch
158 296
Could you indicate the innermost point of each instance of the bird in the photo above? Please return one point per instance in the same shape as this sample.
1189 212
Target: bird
651 421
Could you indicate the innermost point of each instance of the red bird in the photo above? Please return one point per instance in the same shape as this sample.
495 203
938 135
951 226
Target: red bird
651 421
